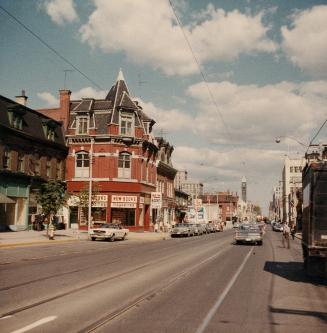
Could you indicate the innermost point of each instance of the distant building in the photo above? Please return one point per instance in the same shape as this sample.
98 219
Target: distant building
181 177
32 151
292 182
193 188
243 188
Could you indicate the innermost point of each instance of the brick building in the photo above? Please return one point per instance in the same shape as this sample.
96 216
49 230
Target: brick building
32 151
112 151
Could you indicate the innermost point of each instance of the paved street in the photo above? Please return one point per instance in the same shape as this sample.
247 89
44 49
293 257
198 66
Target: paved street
197 284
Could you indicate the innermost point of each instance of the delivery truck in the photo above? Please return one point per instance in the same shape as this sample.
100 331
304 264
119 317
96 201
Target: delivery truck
314 219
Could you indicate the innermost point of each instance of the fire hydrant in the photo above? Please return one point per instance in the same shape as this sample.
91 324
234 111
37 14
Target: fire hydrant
51 231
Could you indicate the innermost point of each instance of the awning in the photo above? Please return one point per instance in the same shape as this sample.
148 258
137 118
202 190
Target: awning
5 199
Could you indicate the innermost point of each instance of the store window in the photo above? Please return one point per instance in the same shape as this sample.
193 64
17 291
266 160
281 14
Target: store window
82 165
124 165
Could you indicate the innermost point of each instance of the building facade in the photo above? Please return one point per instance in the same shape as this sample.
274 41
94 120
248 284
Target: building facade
32 151
112 158
165 183
292 182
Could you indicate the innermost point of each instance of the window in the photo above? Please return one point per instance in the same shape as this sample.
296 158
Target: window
82 125
50 134
20 163
126 125
48 168
37 165
15 120
124 165
82 165
58 170
7 159
291 169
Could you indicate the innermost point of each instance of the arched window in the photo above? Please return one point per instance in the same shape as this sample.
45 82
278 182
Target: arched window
124 165
82 165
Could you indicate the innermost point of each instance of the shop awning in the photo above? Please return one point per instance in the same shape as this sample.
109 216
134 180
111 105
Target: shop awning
5 199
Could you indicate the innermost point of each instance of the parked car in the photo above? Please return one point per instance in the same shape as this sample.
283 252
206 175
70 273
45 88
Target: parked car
248 233
182 230
108 231
277 227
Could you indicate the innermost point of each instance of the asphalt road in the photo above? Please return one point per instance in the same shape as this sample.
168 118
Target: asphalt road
197 284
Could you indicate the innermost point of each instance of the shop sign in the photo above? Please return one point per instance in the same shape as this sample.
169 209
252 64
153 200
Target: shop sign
141 200
124 198
123 205
100 200
156 200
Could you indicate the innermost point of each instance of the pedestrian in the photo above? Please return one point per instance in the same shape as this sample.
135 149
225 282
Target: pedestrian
286 235
293 229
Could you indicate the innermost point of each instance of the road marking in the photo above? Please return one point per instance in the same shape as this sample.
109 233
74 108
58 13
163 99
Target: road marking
221 298
5 317
36 324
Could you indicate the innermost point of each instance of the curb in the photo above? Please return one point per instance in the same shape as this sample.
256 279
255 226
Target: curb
11 245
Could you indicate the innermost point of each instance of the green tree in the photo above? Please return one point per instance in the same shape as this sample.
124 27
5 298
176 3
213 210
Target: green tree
51 198
257 210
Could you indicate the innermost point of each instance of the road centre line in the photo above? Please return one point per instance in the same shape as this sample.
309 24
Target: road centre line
221 298
36 324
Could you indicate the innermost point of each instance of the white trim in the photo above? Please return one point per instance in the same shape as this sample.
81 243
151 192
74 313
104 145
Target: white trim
125 180
85 179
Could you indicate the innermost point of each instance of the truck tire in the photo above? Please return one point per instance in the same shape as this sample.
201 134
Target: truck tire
315 267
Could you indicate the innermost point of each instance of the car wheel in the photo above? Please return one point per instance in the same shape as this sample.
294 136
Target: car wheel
124 237
260 243
92 238
112 238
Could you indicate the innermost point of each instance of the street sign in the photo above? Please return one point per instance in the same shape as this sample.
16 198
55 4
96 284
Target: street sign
156 200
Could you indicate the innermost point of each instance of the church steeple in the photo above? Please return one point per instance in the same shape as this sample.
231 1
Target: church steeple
120 76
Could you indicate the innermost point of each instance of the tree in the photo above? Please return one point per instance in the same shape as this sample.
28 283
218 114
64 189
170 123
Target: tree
257 210
51 198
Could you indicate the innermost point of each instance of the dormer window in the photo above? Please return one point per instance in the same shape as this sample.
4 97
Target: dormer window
7 159
82 125
126 124
49 127
16 114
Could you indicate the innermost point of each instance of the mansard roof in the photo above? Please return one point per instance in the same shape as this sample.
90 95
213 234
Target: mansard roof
118 98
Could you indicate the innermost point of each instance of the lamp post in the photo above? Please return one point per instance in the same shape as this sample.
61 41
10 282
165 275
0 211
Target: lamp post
90 186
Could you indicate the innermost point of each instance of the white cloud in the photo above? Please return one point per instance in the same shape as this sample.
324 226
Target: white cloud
167 120
47 97
256 115
88 92
305 41
60 11
152 37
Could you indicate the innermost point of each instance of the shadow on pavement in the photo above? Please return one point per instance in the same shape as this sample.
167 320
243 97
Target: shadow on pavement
292 271
317 314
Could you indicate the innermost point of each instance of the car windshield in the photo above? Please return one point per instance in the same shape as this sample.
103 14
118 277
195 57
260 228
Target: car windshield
106 225
180 225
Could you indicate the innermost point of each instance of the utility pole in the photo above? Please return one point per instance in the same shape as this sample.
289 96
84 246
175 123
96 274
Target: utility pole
90 185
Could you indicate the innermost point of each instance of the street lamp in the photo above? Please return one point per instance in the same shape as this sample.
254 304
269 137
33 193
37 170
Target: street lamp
278 139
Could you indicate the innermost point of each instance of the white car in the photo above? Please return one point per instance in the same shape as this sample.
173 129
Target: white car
108 231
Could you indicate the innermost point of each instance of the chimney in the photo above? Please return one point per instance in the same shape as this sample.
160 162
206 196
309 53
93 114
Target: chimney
64 106
22 99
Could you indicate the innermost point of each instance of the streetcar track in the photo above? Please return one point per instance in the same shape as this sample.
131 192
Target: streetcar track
80 270
149 295
72 291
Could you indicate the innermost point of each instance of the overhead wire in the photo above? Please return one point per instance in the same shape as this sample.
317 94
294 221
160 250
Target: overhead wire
321 127
201 72
47 45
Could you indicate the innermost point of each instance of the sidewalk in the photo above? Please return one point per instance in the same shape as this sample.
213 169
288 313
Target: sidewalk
25 238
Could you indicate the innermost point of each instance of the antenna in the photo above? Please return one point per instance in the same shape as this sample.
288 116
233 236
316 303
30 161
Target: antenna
65 77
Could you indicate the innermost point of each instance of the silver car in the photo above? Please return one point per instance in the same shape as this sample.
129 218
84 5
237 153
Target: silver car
182 230
248 233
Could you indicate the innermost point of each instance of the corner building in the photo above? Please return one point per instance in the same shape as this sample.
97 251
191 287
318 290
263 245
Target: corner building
112 151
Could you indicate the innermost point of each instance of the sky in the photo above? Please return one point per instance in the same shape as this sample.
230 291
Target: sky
221 78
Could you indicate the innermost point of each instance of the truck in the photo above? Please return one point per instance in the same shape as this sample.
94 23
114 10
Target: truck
314 219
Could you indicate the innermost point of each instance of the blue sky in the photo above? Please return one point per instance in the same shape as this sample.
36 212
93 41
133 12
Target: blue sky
264 62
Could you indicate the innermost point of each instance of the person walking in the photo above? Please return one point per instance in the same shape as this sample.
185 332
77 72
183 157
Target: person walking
293 230
286 235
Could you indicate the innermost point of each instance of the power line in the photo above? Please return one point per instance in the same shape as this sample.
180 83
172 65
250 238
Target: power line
201 71
321 127
50 47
